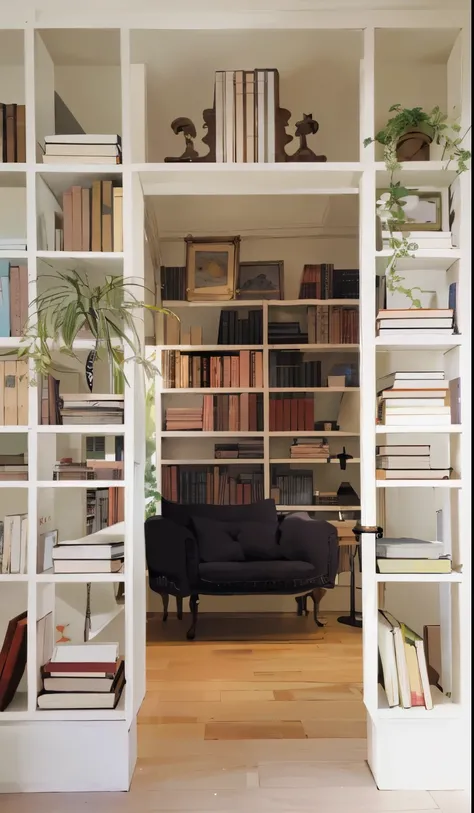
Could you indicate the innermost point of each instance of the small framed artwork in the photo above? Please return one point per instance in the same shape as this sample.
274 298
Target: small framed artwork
44 554
423 211
260 280
211 266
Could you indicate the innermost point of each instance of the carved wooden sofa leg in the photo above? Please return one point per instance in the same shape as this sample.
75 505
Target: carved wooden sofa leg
302 605
166 600
317 595
193 607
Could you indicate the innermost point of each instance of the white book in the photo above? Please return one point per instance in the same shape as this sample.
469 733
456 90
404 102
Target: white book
402 462
386 644
419 331
83 149
403 449
83 138
261 127
240 134
7 542
88 565
270 115
423 322
85 653
415 376
106 536
421 410
417 420
415 402
13 529
402 669
114 551
229 117
405 548
77 700
220 116
80 159
23 542
250 117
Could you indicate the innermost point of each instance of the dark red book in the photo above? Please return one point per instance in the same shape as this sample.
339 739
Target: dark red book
293 414
309 414
66 667
7 641
301 414
286 415
272 414
14 662
279 415
252 412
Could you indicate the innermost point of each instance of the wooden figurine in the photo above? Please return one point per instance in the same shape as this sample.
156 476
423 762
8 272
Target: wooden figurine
186 127
307 126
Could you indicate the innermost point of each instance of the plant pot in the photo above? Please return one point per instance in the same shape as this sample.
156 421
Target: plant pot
414 144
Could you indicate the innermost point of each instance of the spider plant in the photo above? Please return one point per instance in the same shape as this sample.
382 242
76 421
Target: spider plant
108 313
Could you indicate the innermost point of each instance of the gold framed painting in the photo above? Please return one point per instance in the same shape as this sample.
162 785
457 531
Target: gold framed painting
423 211
211 268
260 280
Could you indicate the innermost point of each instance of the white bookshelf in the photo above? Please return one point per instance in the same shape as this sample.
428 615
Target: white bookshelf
425 750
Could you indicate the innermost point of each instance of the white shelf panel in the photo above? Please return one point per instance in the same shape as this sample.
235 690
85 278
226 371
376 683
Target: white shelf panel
80 578
16 709
234 461
207 348
311 460
79 483
419 578
69 715
418 483
442 707
83 429
318 508
314 434
5 254
196 433
320 348
14 483
418 342
112 259
453 429
11 430
250 179
13 577
419 174
9 342
424 259
209 390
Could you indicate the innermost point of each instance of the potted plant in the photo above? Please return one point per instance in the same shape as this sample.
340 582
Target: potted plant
106 313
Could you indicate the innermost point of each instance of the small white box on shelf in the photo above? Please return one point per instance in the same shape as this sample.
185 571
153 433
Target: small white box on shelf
336 380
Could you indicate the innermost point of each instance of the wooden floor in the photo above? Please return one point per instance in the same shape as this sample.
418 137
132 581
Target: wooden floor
261 713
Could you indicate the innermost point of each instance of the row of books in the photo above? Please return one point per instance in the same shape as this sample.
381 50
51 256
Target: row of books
13 543
404 672
14 393
235 330
245 449
82 676
211 485
246 104
405 555
92 218
291 412
241 369
102 552
173 283
413 398
288 369
82 148
407 462
105 507
67 469
286 333
304 448
80 409
415 322
12 133
294 487
326 282
13 298
333 325
13 467
219 413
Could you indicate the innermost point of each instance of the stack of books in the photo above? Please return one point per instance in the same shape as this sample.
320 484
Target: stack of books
183 418
13 543
80 408
102 552
333 325
13 244
415 322
82 676
13 467
413 398
286 333
82 148
405 462
12 133
292 487
290 370
406 555
404 668
246 103
199 370
326 282
423 239
13 298
235 330
173 283
288 412
92 218
12 658
66 469
211 485
302 448
14 393
245 449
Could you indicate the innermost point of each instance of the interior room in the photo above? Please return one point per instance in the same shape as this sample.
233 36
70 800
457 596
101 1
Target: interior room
235 410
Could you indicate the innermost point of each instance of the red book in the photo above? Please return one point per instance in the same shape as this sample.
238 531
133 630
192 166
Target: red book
76 218
67 220
66 667
301 414
240 494
244 412
286 415
293 414
272 414
244 368
227 375
252 413
309 414
247 493
279 415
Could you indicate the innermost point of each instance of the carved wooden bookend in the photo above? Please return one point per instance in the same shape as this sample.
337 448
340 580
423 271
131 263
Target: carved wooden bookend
187 128
307 126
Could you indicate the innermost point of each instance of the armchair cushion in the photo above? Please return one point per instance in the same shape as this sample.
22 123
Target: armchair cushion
250 577
217 541
313 541
263 511
171 553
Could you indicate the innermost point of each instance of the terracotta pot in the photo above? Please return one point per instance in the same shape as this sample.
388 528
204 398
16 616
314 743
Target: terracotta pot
414 144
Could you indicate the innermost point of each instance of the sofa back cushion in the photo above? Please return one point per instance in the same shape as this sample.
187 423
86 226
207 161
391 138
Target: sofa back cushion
263 511
236 541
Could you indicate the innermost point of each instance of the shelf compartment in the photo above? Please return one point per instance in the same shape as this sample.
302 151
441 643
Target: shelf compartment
418 174
82 429
294 433
209 348
312 461
453 429
80 578
89 484
209 390
416 578
423 342
198 434
314 389
442 707
424 259
418 483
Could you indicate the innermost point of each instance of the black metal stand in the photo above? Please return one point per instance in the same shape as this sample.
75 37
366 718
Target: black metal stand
354 619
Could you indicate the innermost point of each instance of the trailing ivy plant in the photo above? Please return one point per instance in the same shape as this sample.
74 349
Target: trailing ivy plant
391 206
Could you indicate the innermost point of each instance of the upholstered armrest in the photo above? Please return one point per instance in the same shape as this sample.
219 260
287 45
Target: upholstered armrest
313 541
172 556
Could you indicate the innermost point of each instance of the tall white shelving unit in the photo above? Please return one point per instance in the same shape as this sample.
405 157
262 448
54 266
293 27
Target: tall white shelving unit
414 749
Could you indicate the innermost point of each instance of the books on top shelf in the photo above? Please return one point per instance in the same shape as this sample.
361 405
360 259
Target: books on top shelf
212 485
406 555
80 408
67 469
241 369
83 148
233 329
12 133
309 448
423 239
332 324
416 397
415 322
288 412
404 672
289 369
13 543
13 467
246 104
92 218
326 282
101 552
12 658
82 676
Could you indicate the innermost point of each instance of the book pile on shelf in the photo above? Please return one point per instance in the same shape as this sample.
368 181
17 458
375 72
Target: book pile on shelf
82 676
101 552
404 672
13 543
13 298
14 466
178 419
413 398
13 658
67 469
290 370
294 487
423 239
92 218
80 409
326 282
106 469
406 462
288 412
332 324
173 284
286 333
211 485
105 507
411 556
12 133
415 322
235 330
82 148
14 393
219 413
245 449
302 448
13 244
246 104
199 370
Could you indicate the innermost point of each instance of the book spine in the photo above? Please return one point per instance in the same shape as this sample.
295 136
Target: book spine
240 134
23 276
250 117
21 133
15 306
118 218
10 133
261 129
107 227
67 220
96 220
76 218
270 115
220 116
229 117
86 219
22 379
11 394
